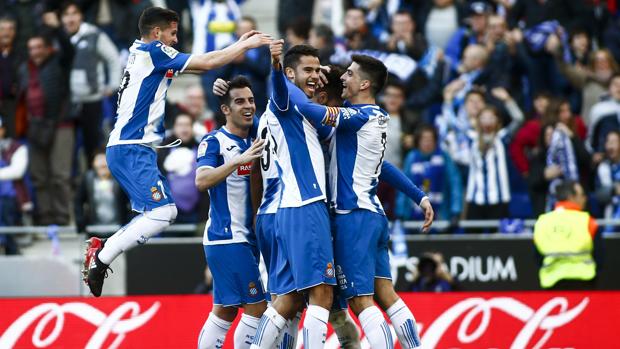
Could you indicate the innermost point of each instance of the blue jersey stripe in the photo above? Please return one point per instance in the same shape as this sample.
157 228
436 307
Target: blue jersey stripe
219 213
346 149
269 193
139 119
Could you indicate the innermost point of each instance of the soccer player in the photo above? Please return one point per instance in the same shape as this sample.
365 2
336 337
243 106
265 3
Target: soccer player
224 165
151 65
304 255
357 151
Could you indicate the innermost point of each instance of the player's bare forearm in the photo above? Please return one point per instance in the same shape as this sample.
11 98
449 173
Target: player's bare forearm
207 178
216 59
256 186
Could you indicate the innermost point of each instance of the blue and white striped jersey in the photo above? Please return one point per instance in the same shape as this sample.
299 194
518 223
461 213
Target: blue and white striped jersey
271 181
300 161
230 217
142 93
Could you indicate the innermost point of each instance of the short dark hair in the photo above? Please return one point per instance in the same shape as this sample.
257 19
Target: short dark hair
8 18
334 86
393 81
475 91
565 190
293 55
249 19
43 35
373 69
614 76
156 17
66 4
237 82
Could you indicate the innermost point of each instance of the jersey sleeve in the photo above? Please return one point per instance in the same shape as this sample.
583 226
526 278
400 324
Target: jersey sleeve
344 118
397 179
279 92
208 152
165 57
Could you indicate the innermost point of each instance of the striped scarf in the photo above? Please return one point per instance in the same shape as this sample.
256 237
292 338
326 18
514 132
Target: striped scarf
536 37
562 154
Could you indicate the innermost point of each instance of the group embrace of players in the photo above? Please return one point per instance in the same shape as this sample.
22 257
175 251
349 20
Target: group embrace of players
321 230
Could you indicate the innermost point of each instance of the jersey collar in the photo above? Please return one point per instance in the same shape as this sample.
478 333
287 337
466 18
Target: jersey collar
241 141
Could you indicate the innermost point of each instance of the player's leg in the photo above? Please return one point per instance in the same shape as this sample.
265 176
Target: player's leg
214 330
401 317
356 272
345 328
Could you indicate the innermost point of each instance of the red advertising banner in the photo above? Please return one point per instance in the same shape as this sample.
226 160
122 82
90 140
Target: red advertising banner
541 320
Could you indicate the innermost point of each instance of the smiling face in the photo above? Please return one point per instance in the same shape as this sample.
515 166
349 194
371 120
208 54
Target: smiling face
353 82
306 74
612 146
241 109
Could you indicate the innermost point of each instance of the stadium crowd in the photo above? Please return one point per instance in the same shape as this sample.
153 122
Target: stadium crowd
492 103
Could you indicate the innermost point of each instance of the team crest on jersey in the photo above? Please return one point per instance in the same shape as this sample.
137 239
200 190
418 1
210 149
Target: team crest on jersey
329 270
202 149
244 169
169 51
253 289
156 194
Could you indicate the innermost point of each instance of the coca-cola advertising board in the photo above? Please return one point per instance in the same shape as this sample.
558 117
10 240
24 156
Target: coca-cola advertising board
542 320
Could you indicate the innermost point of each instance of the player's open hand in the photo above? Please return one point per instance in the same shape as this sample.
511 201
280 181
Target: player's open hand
254 39
429 214
276 48
254 152
220 87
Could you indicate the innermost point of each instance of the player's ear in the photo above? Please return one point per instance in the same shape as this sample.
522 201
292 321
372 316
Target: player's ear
322 99
225 109
290 72
365 84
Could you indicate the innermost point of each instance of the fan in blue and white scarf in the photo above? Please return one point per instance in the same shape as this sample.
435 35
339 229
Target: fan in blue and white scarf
562 154
537 36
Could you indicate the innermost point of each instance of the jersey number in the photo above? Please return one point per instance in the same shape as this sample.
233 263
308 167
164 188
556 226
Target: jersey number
121 89
265 161
383 143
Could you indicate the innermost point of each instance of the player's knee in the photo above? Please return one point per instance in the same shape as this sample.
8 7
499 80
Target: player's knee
322 295
385 295
225 313
166 213
359 303
255 310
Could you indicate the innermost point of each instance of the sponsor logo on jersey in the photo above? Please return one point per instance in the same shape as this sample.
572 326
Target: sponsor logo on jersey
244 169
156 194
253 289
202 149
329 270
169 51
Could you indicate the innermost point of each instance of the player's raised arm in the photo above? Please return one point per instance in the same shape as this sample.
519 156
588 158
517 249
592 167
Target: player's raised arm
216 59
279 94
209 174
397 179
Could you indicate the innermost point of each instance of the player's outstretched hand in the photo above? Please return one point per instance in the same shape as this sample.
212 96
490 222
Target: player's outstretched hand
276 47
220 87
254 39
253 152
429 214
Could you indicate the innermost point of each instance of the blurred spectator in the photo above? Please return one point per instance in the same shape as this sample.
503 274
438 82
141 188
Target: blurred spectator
566 240
44 87
287 11
178 164
439 20
99 199
27 13
379 14
566 153
591 78
432 170
403 122
456 130
604 118
488 188
322 38
255 64
95 54
10 59
14 197
214 24
432 275
473 33
608 177
357 35
403 38
194 105
527 139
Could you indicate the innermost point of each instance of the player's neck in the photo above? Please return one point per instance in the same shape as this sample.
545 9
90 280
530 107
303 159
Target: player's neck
237 131
147 39
361 99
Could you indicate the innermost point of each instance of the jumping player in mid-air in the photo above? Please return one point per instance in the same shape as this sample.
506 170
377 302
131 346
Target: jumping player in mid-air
151 65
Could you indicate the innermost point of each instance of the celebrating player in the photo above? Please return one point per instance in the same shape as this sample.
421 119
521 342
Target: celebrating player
151 65
357 151
224 166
